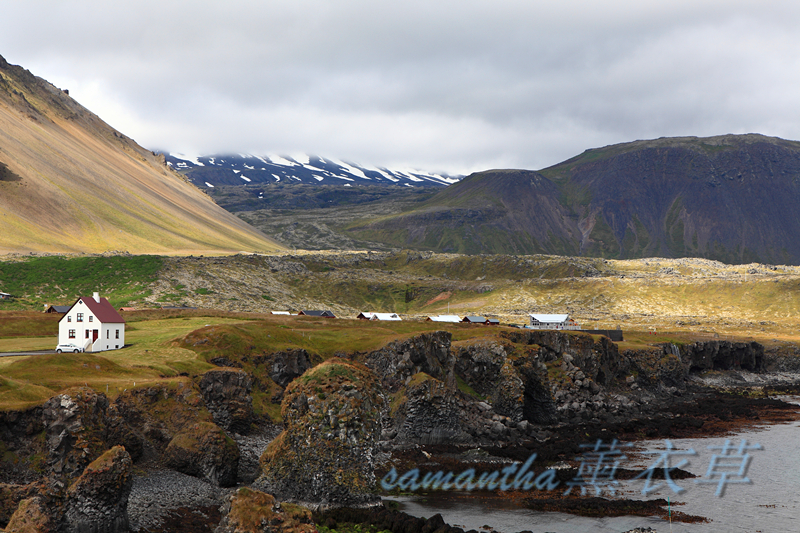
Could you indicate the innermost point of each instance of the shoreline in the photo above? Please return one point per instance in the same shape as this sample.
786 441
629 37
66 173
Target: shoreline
165 500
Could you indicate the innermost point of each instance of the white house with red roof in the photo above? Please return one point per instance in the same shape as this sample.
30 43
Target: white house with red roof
93 324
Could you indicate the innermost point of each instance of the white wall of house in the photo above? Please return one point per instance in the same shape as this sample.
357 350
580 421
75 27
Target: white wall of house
78 326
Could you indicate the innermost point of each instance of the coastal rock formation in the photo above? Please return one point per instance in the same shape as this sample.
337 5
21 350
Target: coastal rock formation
227 396
11 495
18 431
396 362
382 519
723 355
75 423
514 381
97 501
252 511
204 450
428 412
599 359
32 516
288 365
325 455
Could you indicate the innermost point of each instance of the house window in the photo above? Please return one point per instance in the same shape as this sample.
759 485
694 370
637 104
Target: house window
80 317
117 334
87 333
91 318
72 334
108 332
69 318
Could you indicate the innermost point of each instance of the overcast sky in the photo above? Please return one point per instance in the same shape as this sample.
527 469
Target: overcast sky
448 85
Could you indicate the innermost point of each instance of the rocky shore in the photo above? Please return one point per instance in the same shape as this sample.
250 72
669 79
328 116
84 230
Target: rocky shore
194 455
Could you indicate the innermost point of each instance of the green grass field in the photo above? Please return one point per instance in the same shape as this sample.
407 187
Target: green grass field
58 280
163 346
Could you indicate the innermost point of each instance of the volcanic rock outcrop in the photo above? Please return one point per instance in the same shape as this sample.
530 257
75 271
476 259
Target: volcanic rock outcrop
325 455
97 502
396 362
204 450
252 511
227 396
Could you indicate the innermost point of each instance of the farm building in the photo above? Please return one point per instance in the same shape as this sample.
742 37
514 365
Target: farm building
5 296
472 319
541 321
444 318
386 316
57 309
326 314
280 313
94 324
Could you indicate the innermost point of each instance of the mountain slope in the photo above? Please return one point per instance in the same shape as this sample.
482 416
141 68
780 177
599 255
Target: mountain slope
733 198
499 211
71 183
213 171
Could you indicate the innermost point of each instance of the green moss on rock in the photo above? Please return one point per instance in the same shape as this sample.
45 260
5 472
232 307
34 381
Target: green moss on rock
324 457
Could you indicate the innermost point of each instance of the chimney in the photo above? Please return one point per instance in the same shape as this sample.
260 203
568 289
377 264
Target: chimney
96 296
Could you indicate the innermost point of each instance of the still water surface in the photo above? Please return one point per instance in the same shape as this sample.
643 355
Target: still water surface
770 503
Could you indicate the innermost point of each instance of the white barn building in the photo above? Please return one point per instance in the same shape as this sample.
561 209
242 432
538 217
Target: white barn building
455 319
540 321
92 323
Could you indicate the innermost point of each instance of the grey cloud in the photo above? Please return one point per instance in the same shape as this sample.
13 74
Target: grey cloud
450 86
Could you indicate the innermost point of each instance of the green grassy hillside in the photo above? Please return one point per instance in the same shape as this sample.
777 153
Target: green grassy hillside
54 280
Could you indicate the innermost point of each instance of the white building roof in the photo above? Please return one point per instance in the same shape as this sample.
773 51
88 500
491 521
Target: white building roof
445 318
552 319
280 312
385 316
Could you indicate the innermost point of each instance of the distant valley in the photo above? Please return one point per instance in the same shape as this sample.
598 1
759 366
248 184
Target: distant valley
730 198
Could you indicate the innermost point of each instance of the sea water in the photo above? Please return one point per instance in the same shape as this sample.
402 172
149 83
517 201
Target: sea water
769 503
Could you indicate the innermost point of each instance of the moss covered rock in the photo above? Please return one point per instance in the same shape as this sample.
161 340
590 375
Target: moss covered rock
324 457
98 500
32 516
204 450
252 511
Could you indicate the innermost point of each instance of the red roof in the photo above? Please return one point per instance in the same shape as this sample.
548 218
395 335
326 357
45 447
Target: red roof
103 310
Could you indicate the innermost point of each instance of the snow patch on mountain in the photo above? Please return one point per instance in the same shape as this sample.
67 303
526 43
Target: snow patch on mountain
216 170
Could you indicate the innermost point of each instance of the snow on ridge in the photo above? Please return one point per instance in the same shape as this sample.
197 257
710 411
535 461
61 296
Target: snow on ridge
311 167
303 159
189 158
383 173
209 185
350 168
278 160
245 178
320 168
